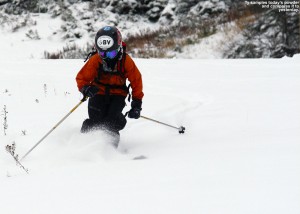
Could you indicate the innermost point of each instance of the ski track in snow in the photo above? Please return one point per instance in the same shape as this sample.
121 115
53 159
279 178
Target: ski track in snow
240 152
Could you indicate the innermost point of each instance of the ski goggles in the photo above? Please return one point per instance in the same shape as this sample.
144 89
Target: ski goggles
108 54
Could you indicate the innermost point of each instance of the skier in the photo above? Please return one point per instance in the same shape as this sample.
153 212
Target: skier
103 80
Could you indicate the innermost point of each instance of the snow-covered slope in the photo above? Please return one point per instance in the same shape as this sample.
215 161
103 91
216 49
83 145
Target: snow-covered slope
64 29
32 41
240 152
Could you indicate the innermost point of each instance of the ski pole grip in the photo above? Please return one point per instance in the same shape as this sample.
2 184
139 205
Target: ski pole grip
84 99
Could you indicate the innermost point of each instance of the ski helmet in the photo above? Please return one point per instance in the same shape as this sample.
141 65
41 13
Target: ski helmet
108 42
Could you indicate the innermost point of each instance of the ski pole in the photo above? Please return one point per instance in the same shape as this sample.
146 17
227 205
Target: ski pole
181 129
46 135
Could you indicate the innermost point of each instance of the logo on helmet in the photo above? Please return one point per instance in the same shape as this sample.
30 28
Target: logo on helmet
105 42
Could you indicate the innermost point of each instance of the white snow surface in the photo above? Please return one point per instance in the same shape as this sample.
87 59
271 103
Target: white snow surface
239 155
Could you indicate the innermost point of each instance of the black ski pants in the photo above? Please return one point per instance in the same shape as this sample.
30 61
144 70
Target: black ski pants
105 112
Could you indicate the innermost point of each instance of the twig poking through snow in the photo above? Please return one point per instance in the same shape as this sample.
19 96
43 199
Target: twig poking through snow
11 150
5 125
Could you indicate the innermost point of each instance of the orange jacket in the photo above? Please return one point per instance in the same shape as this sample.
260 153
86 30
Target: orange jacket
89 72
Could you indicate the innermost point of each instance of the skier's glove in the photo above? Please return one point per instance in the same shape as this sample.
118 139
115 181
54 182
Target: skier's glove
89 90
136 108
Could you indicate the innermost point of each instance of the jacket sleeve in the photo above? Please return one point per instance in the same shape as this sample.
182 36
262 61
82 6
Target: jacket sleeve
135 78
88 72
